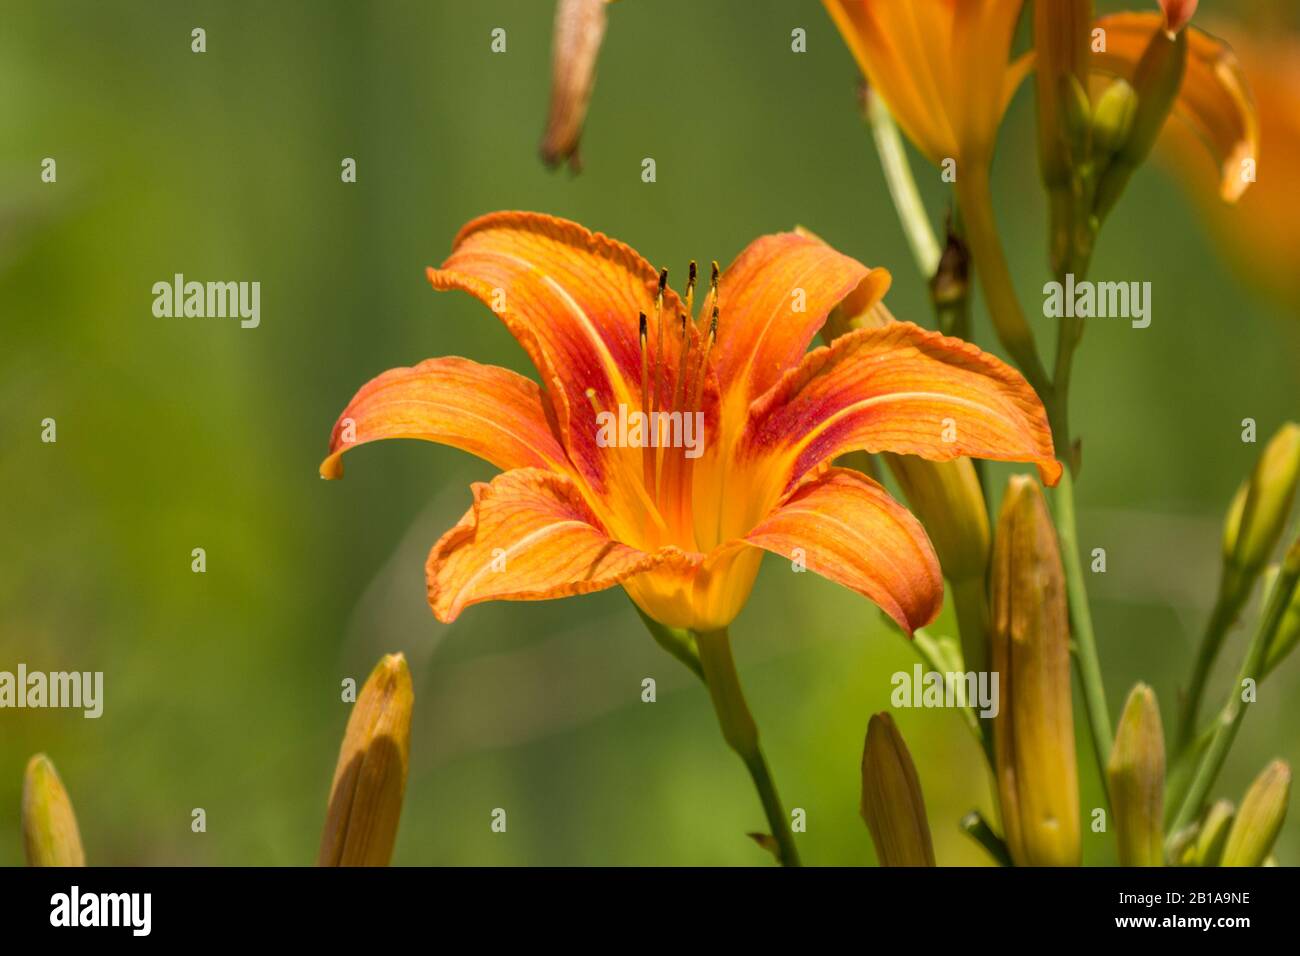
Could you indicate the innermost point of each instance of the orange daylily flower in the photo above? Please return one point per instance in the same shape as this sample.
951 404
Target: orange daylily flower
942 67
683 529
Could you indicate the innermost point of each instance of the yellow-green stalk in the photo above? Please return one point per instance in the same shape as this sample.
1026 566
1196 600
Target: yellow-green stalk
1034 729
892 803
370 779
1135 777
50 834
1061 33
1260 818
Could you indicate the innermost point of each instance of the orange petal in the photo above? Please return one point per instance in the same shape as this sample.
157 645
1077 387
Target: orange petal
1214 99
572 298
903 389
772 301
575 44
529 536
487 411
851 531
903 51
982 31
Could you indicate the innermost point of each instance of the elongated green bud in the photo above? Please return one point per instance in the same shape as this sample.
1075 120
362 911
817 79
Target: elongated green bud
50 834
1260 818
892 803
370 778
1034 728
1136 777
1258 514
1213 834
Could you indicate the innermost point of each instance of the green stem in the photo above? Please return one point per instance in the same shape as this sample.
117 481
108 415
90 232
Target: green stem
1085 642
932 653
1229 720
1226 608
1068 335
902 185
741 734
677 642
950 285
977 828
975 201
971 605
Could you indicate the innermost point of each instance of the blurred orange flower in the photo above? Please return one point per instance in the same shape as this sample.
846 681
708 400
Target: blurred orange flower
1260 235
682 526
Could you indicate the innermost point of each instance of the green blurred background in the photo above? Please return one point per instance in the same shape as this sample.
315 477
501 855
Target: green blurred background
222 690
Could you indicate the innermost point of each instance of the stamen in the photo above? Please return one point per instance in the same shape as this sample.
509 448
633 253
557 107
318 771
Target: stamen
690 289
681 370
647 451
659 354
683 475
701 373
595 402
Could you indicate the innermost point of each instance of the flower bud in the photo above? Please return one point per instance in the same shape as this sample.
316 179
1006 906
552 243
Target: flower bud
1135 775
579 31
1213 834
1034 730
946 496
892 803
1287 634
1113 119
1260 818
1156 82
1258 514
50 835
370 778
